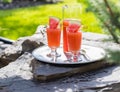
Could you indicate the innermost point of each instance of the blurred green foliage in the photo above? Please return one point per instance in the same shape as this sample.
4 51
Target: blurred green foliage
114 56
21 22
6 1
107 11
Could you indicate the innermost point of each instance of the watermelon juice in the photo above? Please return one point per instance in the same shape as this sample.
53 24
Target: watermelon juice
65 43
53 36
74 41
74 38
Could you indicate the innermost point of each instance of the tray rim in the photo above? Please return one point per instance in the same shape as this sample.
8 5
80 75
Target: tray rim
70 63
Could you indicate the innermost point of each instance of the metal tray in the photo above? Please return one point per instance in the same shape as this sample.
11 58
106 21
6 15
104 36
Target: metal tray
88 54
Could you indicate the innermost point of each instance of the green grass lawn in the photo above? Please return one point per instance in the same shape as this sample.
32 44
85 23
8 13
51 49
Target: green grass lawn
21 22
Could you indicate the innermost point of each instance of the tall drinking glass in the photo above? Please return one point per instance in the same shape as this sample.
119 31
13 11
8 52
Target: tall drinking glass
74 37
53 36
70 12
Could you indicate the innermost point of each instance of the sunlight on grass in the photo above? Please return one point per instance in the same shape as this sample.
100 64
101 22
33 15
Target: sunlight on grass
24 21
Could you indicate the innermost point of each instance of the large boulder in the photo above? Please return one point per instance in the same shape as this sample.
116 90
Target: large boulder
23 44
18 76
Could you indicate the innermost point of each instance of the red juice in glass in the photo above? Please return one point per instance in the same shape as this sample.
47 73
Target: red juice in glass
74 41
74 38
65 44
53 36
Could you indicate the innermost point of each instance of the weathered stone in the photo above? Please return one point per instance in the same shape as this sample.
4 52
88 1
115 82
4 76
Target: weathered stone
3 46
88 82
30 44
17 70
0 50
46 72
10 54
94 36
1 43
41 32
17 75
98 40
25 44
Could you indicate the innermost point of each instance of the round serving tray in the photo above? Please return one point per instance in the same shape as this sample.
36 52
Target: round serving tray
88 54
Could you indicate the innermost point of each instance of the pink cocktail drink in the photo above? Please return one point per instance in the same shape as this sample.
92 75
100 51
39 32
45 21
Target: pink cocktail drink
53 36
65 41
74 41
74 36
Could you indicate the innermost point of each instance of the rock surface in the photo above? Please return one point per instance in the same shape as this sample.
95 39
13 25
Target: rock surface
46 72
17 76
12 52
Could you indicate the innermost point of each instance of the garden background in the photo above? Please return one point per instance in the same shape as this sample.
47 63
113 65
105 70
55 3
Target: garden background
19 22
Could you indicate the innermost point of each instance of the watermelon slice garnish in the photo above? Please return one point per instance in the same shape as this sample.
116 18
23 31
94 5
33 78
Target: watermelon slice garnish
53 22
74 26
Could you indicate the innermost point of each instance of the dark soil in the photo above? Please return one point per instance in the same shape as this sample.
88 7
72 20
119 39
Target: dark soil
22 3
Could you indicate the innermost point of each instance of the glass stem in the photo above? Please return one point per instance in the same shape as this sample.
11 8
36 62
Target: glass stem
53 52
75 57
